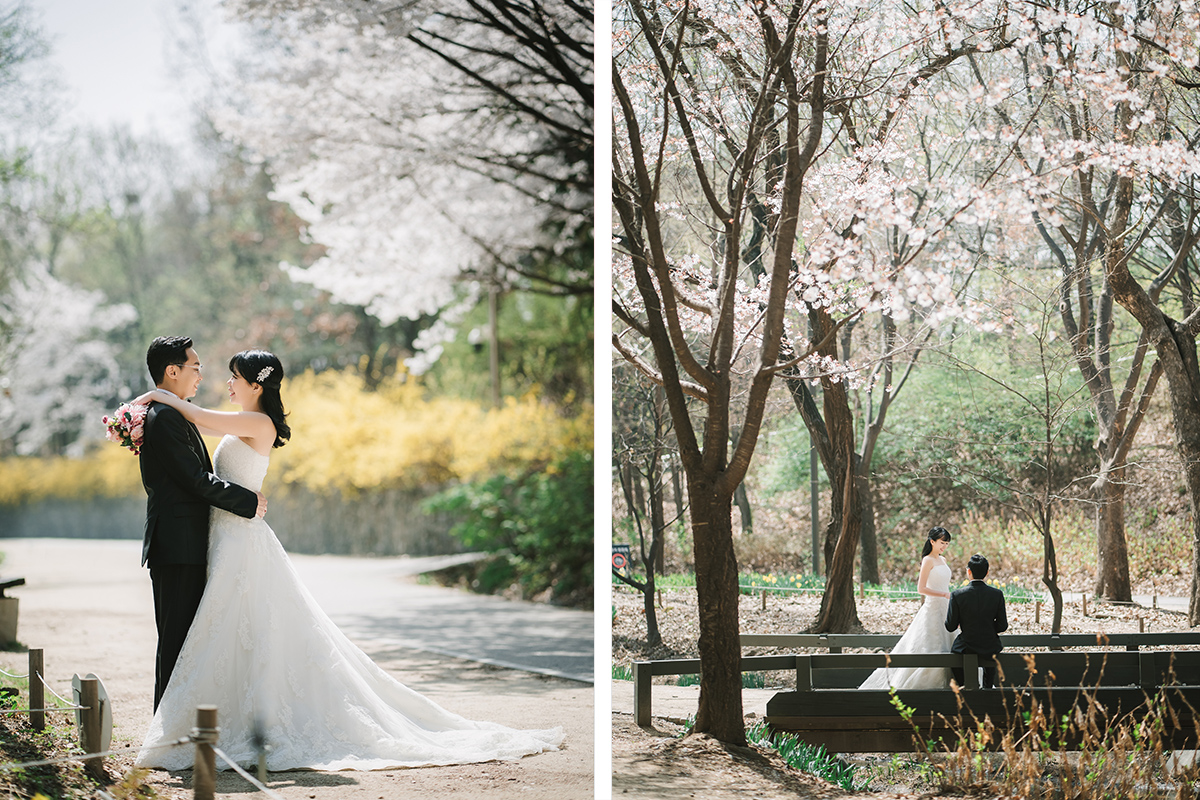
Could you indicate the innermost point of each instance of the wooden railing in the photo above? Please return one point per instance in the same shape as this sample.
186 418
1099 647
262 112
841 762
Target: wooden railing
852 668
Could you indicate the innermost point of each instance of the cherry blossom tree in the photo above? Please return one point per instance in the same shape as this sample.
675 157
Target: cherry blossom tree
57 379
427 144
746 205
659 86
1098 102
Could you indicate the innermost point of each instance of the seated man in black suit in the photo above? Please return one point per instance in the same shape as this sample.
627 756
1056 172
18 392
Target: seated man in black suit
978 611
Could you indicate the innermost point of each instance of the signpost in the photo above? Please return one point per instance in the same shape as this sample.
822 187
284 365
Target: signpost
620 557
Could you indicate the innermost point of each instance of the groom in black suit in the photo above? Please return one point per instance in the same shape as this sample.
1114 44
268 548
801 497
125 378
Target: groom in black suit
978 609
180 492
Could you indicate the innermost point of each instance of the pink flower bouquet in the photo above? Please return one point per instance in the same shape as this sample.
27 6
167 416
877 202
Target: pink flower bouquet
125 426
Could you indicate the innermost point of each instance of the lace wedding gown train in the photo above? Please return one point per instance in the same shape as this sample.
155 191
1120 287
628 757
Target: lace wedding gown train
926 634
265 654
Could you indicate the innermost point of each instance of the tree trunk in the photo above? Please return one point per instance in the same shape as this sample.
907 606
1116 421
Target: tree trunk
1112 579
1050 561
868 569
1178 354
743 503
653 636
657 525
1183 378
720 711
839 612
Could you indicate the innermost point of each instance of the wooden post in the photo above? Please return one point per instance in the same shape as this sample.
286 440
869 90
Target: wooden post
1084 596
204 776
1141 625
641 693
1147 677
1154 601
970 671
89 739
862 590
803 673
764 600
1037 612
37 691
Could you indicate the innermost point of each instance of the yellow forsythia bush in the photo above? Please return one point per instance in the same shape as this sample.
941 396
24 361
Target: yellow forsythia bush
349 439
109 471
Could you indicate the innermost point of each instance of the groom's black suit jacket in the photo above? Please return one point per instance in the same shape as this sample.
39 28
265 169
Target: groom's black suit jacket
181 490
978 609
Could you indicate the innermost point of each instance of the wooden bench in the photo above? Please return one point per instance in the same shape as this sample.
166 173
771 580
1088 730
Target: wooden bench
8 583
1134 670
858 720
850 674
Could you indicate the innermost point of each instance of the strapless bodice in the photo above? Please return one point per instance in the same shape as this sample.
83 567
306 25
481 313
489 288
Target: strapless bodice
237 462
939 576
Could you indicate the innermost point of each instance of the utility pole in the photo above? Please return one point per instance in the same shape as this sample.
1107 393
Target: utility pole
494 335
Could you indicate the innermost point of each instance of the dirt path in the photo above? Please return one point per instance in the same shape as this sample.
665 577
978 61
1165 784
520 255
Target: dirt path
88 605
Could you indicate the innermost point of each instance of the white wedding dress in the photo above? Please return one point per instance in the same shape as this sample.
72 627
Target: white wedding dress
263 652
926 634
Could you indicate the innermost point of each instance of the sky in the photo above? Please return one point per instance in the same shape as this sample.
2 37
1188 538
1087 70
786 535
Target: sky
113 59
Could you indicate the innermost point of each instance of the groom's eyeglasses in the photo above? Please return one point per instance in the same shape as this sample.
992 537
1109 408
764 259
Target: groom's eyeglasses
198 367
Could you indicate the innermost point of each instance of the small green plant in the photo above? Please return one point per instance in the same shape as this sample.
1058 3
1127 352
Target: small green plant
754 680
805 757
688 680
620 672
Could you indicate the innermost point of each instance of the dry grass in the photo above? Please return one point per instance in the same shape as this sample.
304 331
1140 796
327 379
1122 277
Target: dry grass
1116 757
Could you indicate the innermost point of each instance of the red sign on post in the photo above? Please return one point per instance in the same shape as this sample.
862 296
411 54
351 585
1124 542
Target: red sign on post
620 557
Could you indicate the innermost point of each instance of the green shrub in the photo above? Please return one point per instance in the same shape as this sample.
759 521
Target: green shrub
540 520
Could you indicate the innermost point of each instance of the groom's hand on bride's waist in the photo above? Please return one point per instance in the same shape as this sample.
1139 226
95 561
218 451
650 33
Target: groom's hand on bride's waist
262 506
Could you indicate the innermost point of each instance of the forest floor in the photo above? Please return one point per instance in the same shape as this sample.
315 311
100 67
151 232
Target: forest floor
656 762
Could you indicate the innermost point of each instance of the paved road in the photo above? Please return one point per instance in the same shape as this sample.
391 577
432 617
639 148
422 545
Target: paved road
379 600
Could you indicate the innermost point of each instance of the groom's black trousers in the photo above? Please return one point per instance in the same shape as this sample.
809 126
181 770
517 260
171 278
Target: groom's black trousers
177 592
989 676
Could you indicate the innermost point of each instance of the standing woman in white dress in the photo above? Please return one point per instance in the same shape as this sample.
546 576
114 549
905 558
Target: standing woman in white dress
271 660
927 632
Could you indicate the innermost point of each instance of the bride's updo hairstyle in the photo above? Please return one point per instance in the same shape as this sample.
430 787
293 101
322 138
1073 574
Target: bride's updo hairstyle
265 369
935 535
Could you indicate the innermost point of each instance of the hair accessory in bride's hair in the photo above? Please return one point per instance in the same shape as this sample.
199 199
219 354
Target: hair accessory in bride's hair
264 373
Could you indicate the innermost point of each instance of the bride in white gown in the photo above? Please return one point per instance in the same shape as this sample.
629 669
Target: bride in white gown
927 632
271 660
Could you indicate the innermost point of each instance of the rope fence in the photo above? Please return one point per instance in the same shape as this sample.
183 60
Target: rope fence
253 781
51 689
46 762
204 736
